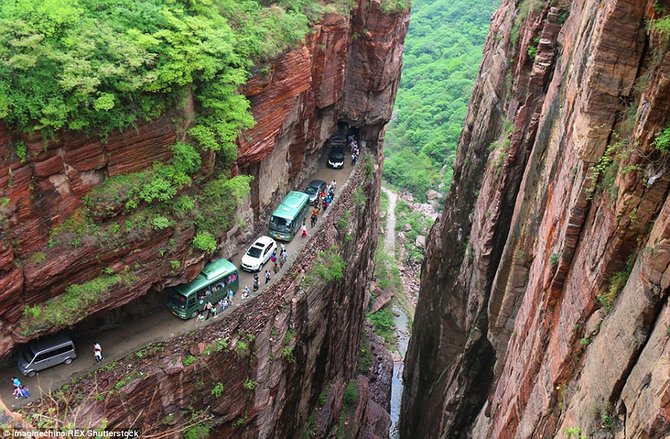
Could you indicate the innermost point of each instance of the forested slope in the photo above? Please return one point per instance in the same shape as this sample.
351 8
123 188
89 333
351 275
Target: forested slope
443 50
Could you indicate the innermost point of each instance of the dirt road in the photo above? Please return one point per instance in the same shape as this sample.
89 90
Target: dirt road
159 325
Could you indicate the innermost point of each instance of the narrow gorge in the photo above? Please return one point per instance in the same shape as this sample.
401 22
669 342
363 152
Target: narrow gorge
141 140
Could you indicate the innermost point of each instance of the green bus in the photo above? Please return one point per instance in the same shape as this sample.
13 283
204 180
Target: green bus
288 217
211 285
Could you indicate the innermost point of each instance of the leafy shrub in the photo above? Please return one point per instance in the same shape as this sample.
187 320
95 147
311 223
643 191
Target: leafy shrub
160 222
250 384
188 360
205 242
616 284
383 324
241 346
662 141
329 265
351 394
196 432
662 26
221 345
393 6
287 354
183 205
216 205
217 390
21 151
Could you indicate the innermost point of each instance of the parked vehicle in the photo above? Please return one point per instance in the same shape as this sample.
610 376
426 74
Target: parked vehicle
313 189
211 285
258 254
288 217
336 157
44 353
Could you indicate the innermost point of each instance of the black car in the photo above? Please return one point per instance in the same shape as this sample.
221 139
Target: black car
313 189
336 157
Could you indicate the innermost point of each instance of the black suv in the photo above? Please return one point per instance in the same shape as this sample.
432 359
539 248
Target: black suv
336 157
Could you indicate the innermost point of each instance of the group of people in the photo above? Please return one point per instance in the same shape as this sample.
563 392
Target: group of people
323 200
353 145
278 262
20 391
212 310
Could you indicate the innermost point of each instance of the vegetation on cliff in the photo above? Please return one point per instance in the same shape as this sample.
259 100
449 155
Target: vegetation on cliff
441 58
99 66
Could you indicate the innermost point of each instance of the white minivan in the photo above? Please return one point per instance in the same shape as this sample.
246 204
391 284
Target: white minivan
41 354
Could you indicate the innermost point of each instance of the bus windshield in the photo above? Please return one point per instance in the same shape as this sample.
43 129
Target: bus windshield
280 224
178 299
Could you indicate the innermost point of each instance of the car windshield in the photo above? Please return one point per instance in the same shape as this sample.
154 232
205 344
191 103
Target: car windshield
254 251
179 300
311 190
280 224
28 354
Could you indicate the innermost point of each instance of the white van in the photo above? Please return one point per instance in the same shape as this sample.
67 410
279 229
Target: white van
44 353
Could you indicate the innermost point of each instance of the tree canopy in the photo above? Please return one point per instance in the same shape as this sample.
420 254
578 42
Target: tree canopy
442 53
99 65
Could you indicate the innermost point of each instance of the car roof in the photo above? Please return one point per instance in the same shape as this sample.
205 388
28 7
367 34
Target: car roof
316 183
263 240
49 342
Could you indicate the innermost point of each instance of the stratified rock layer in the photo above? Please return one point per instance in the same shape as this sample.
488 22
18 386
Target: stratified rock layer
543 308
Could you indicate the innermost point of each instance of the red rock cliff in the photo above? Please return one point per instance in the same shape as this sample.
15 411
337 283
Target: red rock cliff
543 309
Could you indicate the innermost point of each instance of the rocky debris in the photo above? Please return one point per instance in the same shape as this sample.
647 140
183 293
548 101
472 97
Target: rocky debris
382 297
407 227
432 195
420 242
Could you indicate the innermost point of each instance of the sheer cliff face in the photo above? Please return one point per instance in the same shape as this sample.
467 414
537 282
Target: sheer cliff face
544 300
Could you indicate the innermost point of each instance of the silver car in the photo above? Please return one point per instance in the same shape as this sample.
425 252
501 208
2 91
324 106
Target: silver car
44 353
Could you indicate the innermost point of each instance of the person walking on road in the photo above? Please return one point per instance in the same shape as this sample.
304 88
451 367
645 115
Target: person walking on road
246 292
255 285
303 229
16 384
283 258
23 392
97 352
208 310
267 276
